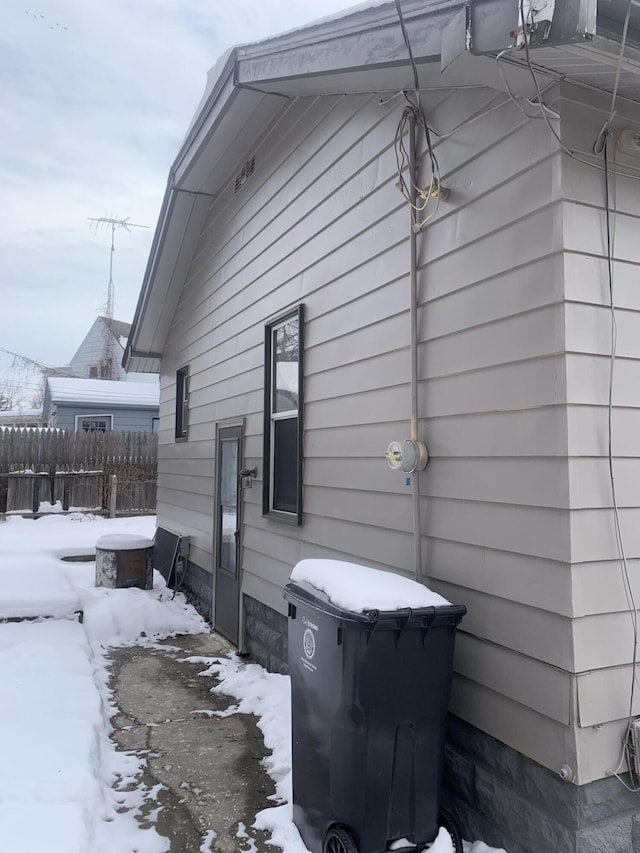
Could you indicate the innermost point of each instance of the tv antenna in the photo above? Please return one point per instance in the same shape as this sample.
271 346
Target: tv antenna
113 223
106 366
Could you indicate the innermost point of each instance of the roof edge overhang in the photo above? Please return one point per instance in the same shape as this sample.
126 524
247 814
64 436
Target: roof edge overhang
360 51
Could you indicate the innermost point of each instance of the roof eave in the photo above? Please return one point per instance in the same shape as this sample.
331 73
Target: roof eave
361 51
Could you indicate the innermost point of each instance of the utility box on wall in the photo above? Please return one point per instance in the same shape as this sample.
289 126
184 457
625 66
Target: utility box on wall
124 561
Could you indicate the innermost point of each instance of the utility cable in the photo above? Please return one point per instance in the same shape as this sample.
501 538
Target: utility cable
601 146
580 156
600 142
416 86
610 216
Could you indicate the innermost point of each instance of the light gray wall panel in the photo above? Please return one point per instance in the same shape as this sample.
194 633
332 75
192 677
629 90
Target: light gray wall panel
513 723
604 693
507 294
533 632
603 631
604 640
593 535
543 584
322 222
590 484
530 432
539 686
526 384
599 587
586 281
589 433
535 531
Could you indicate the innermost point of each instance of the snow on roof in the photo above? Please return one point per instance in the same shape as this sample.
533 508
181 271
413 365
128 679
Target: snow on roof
104 392
217 69
21 412
327 19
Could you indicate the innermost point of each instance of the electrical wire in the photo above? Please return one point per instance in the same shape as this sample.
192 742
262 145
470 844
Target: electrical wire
610 219
416 87
425 194
598 145
541 106
601 146
580 156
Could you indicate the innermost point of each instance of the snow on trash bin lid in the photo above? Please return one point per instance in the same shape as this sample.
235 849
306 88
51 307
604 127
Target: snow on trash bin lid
359 588
123 542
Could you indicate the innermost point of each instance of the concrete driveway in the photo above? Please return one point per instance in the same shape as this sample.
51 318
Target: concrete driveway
209 767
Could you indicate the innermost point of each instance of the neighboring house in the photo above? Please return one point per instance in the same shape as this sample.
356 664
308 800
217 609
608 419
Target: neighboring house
22 417
100 354
101 405
276 307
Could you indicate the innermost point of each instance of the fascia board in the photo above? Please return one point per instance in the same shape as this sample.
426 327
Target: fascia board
359 47
216 106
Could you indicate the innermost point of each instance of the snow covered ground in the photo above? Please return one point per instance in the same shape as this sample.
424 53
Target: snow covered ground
64 787
62 782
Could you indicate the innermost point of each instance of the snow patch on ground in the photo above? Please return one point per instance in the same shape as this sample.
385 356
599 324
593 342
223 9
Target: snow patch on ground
64 787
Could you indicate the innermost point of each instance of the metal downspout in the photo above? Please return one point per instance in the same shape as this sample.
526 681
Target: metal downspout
413 346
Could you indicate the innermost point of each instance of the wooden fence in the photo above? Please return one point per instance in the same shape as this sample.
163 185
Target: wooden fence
39 468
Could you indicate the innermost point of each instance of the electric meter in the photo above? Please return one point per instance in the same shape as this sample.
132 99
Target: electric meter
407 456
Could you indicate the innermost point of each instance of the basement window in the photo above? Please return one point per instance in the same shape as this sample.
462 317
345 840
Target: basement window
282 485
182 403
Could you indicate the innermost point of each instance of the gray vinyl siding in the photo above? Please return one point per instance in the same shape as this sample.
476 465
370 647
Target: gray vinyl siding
322 222
134 420
603 632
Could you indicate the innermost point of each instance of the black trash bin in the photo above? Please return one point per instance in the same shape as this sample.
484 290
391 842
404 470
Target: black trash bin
369 693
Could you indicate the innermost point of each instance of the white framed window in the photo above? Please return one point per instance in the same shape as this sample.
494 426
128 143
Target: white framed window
282 487
94 423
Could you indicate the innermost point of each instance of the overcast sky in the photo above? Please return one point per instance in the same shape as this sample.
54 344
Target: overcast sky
95 98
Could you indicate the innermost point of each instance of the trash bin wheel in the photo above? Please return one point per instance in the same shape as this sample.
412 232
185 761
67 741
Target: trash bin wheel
447 820
339 840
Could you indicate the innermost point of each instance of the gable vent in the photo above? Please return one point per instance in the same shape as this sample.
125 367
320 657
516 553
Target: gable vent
245 173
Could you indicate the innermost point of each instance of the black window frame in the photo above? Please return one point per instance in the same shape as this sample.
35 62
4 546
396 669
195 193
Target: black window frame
294 516
182 403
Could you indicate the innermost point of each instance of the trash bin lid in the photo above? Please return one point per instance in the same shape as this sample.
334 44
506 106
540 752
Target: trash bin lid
361 593
360 588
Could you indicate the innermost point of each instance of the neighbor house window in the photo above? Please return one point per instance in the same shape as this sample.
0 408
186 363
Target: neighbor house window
155 424
94 423
182 402
93 371
282 493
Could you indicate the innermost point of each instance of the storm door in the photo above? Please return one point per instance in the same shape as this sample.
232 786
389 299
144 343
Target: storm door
227 535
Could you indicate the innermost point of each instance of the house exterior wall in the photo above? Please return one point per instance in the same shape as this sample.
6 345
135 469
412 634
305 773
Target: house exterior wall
322 222
603 634
124 419
98 343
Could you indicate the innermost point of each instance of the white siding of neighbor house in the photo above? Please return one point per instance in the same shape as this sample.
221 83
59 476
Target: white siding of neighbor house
602 628
91 352
322 222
